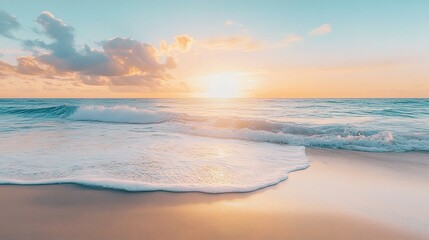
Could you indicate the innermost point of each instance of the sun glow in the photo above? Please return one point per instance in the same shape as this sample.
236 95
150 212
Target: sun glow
223 85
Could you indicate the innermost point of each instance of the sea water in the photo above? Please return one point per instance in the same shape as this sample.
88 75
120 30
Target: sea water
206 145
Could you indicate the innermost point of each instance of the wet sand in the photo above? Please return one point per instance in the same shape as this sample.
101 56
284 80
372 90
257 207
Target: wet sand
342 195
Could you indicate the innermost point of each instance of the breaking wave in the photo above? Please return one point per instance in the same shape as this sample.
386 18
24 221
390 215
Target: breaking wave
180 145
337 136
119 114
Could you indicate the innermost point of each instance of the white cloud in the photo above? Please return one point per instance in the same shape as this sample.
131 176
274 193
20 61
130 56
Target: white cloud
321 30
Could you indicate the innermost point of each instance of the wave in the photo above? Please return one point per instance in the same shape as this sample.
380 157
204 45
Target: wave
335 136
119 114
383 141
60 111
338 136
112 114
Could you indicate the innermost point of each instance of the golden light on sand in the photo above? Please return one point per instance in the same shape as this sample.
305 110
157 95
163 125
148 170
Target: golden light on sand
223 85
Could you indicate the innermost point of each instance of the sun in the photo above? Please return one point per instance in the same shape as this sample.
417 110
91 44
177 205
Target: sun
223 85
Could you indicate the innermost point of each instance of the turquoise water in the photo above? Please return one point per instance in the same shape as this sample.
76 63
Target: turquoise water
204 145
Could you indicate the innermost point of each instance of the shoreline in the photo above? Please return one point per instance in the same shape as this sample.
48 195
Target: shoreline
343 194
312 150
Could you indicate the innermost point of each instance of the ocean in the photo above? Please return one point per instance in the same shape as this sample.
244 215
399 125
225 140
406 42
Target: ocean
204 145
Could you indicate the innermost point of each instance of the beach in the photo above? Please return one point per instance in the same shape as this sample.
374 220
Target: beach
213 120
342 195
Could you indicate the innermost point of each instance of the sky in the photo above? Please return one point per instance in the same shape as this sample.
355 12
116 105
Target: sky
235 48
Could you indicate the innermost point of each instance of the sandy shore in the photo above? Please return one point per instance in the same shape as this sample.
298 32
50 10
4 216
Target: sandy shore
343 195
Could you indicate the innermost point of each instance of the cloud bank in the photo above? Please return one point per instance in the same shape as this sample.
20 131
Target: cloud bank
119 61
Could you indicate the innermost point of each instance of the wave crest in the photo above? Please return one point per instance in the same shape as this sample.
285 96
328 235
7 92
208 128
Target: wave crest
113 114
50 112
119 114
339 136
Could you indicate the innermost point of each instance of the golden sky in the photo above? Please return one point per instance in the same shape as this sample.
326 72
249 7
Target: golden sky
275 49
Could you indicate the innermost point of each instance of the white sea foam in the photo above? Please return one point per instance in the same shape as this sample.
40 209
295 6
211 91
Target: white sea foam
147 161
383 141
118 114
340 136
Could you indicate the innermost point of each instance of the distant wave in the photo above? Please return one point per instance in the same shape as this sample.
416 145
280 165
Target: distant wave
338 136
50 112
382 141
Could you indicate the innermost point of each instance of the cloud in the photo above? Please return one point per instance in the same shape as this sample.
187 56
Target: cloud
183 44
61 52
321 30
6 69
235 43
291 39
232 23
120 61
30 66
247 44
56 29
8 23
130 57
